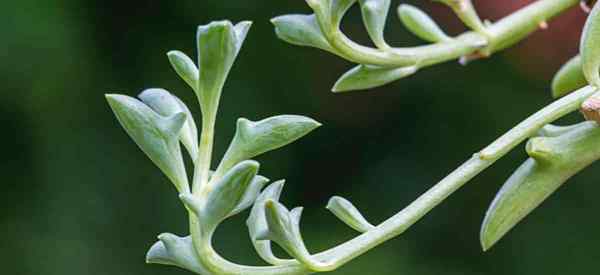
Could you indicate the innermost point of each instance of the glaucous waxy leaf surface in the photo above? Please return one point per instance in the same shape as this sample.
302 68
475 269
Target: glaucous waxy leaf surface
166 104
569 78
224 195
347 212
420 24
589 49
156 135
301 30
184 67
176 251
249 197
553 160
218 45
253 138
257 222
374 13
284 229
364 77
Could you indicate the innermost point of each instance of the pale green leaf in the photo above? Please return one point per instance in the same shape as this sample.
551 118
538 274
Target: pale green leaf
420 24
184 67
176 251
156 135
374 14
257 222
347 212
364 77
250 195
224 196
589 49
569 78
218 45
166 104
254 138
553 161
301 30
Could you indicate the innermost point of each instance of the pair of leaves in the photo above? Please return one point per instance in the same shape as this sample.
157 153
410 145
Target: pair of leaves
218 44
166 104
554 158
157 135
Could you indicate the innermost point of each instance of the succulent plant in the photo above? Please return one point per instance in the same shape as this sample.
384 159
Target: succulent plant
159 122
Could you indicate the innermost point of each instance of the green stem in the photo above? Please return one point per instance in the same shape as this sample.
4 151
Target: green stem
397 224
202 165
500 35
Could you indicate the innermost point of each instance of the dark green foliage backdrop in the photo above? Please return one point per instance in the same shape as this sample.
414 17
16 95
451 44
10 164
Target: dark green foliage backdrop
78 197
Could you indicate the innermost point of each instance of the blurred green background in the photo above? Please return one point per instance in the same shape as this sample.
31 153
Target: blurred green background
78 197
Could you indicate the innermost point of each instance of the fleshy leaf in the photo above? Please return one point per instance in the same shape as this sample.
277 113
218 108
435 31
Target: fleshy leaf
166 104
347 212
176 251
420 24
364 77
218 46
301 30
553 160
156 135
254 138
225 195
257 222
284 229
590 52
258 182
184 67
569 78
374 14
241 31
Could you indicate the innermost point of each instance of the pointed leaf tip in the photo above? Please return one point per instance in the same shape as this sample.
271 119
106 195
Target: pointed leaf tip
374 13
364 77
156 135
301 30
253 138
167 104
176 251
539 177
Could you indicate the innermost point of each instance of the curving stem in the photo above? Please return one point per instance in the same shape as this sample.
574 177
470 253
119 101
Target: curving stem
498 36
397 224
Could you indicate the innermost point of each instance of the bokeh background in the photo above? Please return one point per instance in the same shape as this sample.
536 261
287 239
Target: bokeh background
78 197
